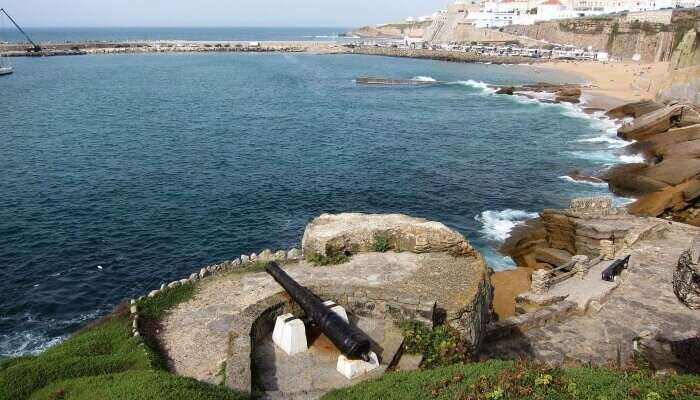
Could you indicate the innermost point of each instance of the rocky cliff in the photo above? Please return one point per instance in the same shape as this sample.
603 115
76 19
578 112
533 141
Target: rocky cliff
684 70
626 37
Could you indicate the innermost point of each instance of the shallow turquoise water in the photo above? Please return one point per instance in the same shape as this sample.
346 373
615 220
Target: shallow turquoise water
153 166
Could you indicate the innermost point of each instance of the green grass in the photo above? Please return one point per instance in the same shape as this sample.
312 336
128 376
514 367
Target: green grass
105 361
134 385
496 380
156 307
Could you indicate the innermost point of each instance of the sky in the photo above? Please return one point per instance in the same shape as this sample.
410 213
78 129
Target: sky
219 13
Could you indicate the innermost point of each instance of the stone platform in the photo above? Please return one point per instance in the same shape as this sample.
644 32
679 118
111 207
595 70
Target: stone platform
310 374
216 334
643 301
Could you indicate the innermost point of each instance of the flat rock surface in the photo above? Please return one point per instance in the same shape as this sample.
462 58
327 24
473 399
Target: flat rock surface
195 333
644 299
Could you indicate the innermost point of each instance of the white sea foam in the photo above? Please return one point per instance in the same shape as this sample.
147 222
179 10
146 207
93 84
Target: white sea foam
632 158
424 79
483 86
19 344
613 142
497 225
583 182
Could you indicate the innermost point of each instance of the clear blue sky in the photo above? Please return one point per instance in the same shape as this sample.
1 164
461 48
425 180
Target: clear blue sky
128 13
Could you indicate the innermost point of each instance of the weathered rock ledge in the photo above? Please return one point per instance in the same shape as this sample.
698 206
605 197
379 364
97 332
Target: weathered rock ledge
435 276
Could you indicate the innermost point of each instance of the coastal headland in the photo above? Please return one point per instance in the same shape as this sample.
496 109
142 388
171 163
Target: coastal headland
596 284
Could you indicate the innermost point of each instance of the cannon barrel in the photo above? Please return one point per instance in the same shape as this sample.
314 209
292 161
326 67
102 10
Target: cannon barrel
353 343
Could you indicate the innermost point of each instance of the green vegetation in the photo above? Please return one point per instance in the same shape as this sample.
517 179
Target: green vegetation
680 28
105 361
506 380
156 307
439 346
320 260
381 244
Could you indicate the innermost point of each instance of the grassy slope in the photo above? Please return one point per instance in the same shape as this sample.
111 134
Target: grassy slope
105 362
509 380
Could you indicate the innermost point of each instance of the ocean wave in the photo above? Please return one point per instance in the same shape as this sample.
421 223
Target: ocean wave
483 86
497 225
613 142
423 79
572 180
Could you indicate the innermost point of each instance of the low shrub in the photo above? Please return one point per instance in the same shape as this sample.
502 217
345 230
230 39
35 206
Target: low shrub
156 307
441 345
381 244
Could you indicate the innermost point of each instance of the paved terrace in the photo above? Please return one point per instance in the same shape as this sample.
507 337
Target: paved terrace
643 300
196 333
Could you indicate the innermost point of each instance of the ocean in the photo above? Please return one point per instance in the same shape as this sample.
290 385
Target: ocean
72 35
120 172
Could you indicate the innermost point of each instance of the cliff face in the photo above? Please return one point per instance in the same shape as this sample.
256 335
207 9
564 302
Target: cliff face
683 82
413 29
651 36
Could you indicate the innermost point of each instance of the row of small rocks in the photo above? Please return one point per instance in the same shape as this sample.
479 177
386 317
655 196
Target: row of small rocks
212 270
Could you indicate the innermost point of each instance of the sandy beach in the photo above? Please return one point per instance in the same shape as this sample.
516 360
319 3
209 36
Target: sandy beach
612 83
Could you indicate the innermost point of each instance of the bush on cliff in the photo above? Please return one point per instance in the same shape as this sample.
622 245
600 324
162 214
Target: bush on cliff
502 380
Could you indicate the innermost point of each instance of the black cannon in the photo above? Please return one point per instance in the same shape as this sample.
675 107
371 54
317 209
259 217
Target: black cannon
615 269
353 343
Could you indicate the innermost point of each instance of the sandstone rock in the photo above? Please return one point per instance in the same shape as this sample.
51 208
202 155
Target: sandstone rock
628 180
236 262
635 110
253 257
194 276
508 90
689 149
654 204
245 259
656 122
356 233
203 273
569 92
280 255
555 257
676 352
674 171
265 255
692 191
686 279
522 242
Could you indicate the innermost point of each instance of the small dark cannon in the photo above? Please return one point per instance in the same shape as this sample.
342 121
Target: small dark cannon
615 269
353 343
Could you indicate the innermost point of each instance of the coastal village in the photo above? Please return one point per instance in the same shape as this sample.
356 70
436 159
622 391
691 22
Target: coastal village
601 294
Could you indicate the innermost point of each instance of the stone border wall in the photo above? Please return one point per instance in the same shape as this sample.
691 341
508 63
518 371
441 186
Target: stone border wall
257 321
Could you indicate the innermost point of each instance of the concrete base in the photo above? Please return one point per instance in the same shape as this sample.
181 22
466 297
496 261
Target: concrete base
352 369
337 309
290 334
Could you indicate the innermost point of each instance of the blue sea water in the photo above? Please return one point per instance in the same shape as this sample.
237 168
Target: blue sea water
63 35
152 166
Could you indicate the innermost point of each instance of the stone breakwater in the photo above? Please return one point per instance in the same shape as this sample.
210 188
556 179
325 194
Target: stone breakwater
211 271
143 47
441 55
